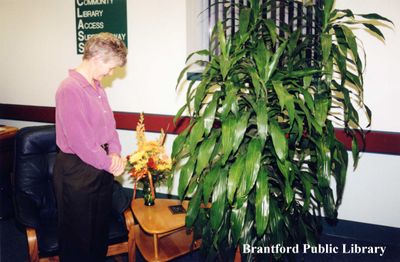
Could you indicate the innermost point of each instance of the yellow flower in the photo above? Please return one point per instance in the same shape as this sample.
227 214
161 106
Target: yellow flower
136 157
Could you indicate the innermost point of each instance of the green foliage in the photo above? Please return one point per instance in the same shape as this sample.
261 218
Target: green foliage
261 146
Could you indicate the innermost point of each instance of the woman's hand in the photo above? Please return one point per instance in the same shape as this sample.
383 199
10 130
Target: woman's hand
117 167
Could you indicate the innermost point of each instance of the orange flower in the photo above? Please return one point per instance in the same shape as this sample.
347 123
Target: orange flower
132 171
151 163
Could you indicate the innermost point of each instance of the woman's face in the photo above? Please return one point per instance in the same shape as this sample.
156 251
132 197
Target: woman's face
102 68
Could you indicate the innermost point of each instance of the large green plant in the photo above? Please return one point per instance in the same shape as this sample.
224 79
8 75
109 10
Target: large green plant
261 146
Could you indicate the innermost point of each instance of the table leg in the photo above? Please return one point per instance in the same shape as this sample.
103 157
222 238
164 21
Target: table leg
155 238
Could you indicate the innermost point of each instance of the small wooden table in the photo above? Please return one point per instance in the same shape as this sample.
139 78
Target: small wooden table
161 235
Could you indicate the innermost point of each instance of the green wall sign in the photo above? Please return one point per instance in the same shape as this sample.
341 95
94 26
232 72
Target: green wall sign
95 16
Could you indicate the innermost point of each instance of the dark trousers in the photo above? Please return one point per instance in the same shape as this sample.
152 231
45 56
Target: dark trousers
84 196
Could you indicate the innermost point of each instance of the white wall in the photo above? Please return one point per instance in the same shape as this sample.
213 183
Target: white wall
371 193
37 48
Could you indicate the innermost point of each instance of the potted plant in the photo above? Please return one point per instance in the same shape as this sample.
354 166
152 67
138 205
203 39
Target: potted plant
259 155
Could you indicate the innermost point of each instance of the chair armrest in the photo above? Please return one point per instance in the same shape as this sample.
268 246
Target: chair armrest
32 244
129 221
130 226
26 211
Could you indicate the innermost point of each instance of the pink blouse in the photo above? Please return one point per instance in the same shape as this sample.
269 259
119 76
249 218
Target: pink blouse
85 121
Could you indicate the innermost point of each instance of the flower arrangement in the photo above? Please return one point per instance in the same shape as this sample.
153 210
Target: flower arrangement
149 163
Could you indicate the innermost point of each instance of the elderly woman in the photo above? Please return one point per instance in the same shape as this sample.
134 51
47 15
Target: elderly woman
89 156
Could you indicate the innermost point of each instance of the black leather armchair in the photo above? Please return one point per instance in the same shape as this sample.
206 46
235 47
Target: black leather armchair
35 203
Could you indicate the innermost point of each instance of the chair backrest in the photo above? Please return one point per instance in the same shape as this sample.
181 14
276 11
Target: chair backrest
35 154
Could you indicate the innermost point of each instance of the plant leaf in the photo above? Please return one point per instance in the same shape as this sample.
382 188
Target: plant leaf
289 194
237 221
221 39
374 29
240 130
185 176
261 57
199 95
262 120
321 110
326 43
324 163
275 59
194 207
279 140
375 16
255 80
179 113
272 30
182 73
218 202
307 191
229 100
196 134
307 82
262 201
235 176
178 143
328 6
252 166
209 182
225 65
351 41
209 113
244 19
203 52
341 163
205 150
308 99
228 135
285 99
284 167
355 151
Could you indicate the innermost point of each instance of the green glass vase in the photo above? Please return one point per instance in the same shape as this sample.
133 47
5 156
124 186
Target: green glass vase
147 196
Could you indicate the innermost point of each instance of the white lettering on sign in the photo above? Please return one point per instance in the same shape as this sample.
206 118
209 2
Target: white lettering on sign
81 47
90 25
94 2
89 13
83 37
120 36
